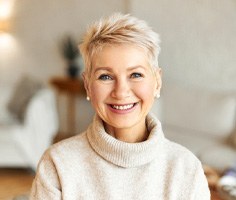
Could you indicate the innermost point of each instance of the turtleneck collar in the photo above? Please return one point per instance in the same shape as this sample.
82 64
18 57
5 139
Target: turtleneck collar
122 153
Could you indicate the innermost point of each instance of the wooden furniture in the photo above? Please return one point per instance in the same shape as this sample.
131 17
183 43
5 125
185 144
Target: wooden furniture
15 182
215 195
212 177
72 88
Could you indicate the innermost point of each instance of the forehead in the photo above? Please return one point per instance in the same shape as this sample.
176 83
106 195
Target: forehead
120 56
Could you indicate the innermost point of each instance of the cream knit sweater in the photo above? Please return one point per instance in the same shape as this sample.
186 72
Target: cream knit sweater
96 166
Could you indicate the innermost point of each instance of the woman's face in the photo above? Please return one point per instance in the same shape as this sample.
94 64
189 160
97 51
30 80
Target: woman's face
122 86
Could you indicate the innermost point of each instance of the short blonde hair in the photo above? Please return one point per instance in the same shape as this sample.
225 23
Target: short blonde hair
119 29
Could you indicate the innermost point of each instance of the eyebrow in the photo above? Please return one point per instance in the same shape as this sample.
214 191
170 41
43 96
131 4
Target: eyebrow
110 69
103 68
136 67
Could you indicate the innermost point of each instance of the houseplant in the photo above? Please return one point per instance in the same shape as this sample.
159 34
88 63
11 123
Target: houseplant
71 54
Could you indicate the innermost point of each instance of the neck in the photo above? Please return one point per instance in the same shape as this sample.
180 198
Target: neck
131 134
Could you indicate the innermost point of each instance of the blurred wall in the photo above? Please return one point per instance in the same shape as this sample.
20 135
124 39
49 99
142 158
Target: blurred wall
198 40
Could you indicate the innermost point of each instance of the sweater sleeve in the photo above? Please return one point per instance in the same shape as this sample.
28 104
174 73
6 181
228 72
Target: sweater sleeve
46 184
201 191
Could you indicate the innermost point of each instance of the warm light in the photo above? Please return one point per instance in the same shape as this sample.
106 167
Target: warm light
5 8
8 44
4 26
8 47
4 39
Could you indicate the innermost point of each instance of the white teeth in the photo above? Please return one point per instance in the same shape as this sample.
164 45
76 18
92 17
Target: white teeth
123 107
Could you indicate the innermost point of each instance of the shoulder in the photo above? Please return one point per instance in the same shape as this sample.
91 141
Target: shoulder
182 162
187 170
67 150
77 141
58 161
180 154
172 152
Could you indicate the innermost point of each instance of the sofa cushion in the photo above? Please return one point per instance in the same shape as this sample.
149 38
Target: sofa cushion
232 138
6 117
198 109
25 89
220 157
193 140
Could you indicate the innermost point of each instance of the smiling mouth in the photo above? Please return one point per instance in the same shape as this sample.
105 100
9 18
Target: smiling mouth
123 107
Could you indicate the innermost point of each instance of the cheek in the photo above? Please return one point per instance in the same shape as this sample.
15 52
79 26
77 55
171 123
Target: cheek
95 93
98 93
146 91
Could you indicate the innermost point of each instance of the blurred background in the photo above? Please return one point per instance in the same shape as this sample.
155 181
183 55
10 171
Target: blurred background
197 105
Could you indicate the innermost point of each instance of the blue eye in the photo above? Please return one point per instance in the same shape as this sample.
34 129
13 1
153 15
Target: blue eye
104 77
136 75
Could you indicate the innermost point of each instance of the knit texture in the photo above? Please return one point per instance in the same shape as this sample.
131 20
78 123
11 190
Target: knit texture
95 165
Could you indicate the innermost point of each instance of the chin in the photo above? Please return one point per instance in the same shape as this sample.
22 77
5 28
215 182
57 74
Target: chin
124 123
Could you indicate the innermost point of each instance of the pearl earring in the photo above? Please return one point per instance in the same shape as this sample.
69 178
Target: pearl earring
157 95
88 99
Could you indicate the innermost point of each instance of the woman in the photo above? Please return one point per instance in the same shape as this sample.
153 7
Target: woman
123 154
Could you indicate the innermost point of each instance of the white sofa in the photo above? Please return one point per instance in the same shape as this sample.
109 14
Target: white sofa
202 121
23 143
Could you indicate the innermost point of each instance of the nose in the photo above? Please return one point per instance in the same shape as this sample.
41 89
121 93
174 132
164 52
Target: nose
121 89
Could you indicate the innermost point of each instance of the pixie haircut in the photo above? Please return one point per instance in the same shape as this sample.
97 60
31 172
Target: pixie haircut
119 29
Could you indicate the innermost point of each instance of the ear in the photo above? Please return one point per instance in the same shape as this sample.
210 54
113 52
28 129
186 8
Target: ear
86 83
158 74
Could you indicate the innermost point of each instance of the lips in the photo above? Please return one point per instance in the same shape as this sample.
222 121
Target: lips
123 107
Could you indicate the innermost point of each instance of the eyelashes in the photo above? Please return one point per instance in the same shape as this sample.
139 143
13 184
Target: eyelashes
135 75
104 77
